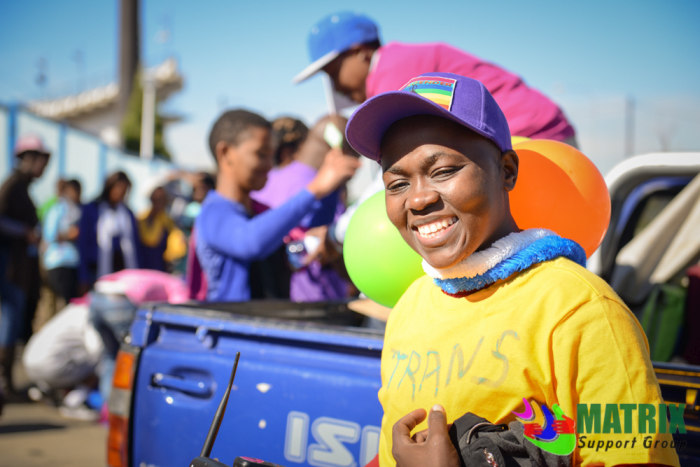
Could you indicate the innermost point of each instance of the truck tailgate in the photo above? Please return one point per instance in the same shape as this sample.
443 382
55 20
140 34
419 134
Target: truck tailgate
304 394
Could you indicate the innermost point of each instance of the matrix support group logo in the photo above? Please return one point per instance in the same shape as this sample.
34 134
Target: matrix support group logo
552 431
555 432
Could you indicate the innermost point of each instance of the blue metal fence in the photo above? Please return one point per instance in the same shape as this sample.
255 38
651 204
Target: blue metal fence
76 154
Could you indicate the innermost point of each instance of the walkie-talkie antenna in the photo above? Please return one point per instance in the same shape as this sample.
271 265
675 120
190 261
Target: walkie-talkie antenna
219 415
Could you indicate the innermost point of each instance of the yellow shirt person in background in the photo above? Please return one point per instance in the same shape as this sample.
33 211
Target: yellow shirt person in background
161 241
505 320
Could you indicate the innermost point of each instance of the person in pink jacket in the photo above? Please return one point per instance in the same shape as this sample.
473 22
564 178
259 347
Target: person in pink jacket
347 47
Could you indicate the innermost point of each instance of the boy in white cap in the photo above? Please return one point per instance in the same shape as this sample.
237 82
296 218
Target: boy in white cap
504 320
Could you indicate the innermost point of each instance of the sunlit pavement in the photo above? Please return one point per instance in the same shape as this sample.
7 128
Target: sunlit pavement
35 434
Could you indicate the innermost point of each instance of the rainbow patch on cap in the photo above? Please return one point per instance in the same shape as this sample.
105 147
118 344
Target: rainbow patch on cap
436 89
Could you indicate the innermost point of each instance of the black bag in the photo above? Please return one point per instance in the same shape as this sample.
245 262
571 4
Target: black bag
482 443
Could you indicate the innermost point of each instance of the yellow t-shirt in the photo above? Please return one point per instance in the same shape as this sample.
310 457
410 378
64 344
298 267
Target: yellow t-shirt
555 333
152 233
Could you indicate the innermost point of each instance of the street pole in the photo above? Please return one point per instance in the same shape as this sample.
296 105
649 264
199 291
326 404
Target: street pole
148 116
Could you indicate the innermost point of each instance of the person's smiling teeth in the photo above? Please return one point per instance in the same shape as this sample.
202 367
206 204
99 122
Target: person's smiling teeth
434 228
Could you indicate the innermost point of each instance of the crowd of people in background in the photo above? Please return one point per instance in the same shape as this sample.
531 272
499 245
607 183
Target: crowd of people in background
73 247
268 224
56 256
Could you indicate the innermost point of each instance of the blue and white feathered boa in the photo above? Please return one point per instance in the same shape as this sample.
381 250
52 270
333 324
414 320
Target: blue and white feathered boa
512 253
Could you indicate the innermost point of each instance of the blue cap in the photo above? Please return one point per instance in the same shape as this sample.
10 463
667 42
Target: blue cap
463 100
333 35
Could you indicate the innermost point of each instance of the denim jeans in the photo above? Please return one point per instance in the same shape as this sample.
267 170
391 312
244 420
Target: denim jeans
12 301
111 315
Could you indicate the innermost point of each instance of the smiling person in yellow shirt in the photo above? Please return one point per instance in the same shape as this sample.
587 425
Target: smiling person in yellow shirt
504 319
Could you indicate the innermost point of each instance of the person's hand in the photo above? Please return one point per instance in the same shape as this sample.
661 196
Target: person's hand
337 168
71 235
32 236
431 447
325 253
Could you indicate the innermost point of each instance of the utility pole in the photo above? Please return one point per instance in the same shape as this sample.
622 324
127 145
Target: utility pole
148 116
129 43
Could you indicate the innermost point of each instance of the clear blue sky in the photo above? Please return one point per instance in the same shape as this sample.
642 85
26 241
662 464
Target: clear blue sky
588 56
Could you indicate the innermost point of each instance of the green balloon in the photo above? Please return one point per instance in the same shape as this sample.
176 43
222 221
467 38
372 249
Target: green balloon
378 260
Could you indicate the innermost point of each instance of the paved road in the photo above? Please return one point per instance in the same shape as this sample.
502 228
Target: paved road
35 435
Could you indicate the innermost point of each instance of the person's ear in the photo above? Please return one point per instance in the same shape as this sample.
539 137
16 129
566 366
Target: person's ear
221 149
509 169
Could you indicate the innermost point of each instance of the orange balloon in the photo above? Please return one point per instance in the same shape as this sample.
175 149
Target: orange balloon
560 189
518 139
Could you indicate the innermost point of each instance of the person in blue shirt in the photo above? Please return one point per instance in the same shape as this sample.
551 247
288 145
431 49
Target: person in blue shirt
60 231
230 237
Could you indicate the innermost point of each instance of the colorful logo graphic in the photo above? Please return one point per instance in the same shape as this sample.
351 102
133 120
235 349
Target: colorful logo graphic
435 88
551 432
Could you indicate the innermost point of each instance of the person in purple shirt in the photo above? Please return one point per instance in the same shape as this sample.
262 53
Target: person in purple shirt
300 154
347 47
230 237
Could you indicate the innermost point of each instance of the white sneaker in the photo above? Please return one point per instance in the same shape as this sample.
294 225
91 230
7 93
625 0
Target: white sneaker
76 397
79 413
35 394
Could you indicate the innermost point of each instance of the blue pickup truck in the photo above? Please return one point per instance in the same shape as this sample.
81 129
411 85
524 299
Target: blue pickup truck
306 388
305 391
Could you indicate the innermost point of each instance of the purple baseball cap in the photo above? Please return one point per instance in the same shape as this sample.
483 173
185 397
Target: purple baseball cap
463 100
332 36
